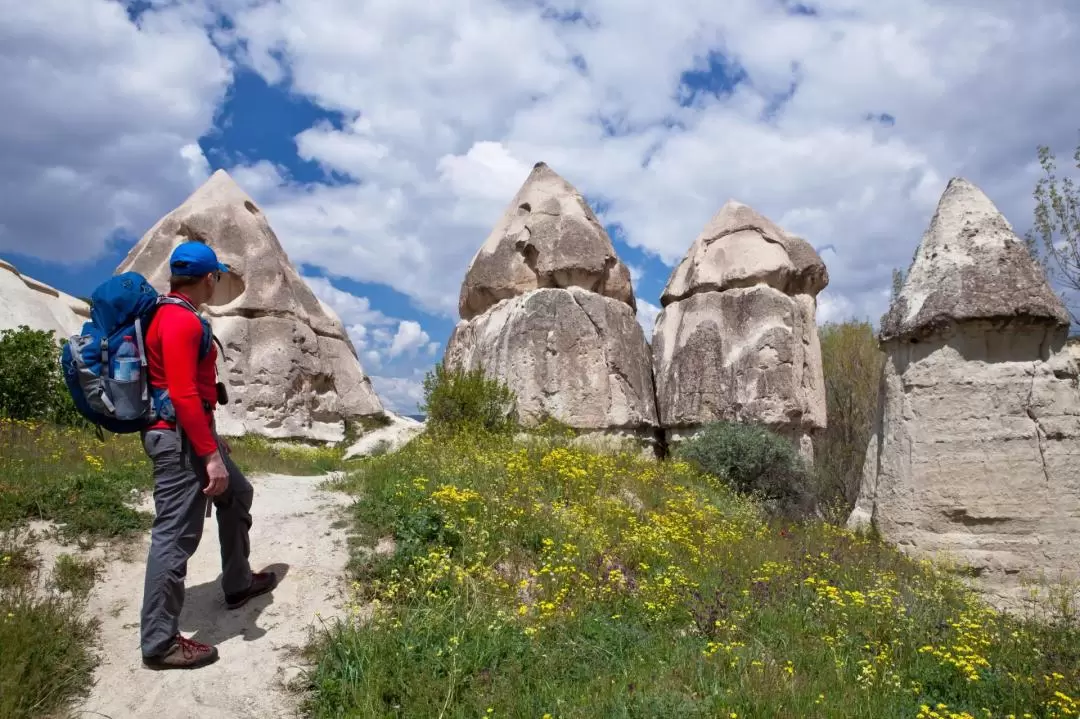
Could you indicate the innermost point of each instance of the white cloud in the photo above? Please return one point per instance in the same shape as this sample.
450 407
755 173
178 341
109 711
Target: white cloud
408 339
399 394
646 317
447 106
457 103
352 309
100 121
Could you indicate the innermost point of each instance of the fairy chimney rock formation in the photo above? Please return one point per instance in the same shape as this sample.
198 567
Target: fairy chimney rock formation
977 436
548 308
25 301
290 368
737 337
547 237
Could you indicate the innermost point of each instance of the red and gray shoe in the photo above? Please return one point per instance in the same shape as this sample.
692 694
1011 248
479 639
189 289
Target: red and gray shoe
183 653
261 583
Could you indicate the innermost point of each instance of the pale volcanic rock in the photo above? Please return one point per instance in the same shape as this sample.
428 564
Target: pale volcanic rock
290 368
737 338
742 248
570 354
26 301
977 436
547 237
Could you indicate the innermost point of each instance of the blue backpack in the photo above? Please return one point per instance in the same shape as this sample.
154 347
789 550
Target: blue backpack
122 306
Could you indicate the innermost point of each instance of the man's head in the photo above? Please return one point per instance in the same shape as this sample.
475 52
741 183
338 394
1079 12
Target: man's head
195 271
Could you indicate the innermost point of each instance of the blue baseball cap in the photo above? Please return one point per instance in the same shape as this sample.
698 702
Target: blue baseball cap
195 259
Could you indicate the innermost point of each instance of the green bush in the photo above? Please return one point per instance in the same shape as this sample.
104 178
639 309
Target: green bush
31 383
852 365
456 399
754 460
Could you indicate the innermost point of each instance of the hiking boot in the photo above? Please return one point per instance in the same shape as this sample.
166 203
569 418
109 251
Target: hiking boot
183 654
261 583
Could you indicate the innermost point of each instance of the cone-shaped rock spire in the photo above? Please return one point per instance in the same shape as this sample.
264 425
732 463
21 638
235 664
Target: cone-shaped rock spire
547 237
737 338
977 434
970 265
291 369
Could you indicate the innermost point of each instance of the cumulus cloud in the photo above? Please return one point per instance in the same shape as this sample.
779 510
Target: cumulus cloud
409 338
843 126
399 394
383 343
646 317
101 121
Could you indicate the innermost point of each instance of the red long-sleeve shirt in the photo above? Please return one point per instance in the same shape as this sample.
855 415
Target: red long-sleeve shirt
172 356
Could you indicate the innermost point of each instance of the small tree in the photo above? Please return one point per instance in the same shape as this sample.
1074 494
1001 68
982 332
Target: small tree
852 365
458 399
1054 241
31 383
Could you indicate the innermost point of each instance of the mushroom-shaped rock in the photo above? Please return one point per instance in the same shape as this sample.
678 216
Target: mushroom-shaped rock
970 265
290 368
742 248
548 308
737 338
977 434
547 237
571 354
26 301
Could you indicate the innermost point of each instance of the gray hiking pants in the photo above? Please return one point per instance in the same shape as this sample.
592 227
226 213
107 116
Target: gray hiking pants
180 505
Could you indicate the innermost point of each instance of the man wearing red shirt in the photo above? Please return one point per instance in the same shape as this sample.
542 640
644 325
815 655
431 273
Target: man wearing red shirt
191 467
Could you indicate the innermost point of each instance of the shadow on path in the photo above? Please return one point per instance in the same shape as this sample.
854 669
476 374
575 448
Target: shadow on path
206 617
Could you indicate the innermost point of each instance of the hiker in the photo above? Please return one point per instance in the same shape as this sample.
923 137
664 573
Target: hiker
191 467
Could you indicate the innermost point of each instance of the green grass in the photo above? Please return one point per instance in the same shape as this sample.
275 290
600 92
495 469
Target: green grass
91 488
545 580
46 641
255 455
66 475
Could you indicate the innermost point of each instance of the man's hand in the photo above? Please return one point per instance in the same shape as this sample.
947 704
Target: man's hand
219 476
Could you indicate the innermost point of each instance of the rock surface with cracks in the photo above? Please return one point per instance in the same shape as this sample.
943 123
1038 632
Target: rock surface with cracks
548 308
26 301
737 338
290 368
977 435
547 237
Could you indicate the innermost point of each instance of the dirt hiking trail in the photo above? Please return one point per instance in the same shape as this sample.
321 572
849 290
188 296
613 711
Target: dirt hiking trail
259 644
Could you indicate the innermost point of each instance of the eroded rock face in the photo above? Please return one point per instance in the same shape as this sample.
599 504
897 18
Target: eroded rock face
25 301
570 354
737 338
547 237
977 436
290 367
548 308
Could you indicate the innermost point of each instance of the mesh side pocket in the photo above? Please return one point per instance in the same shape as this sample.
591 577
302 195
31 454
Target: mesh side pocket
127 397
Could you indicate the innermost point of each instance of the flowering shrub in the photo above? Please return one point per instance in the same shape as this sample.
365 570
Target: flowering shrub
541 579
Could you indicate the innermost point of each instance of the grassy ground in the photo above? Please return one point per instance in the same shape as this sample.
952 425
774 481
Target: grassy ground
543 581
46 638
90 489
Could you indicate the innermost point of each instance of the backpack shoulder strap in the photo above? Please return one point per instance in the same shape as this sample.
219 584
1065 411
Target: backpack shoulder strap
208 335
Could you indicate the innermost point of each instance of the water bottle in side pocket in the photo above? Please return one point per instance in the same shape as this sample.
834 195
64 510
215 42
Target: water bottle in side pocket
126 362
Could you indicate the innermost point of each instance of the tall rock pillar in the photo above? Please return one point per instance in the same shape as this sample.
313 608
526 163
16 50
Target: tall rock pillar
977 440
548 308
737 337
290 368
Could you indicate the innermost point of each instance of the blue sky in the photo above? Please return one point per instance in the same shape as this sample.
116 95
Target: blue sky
383 141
